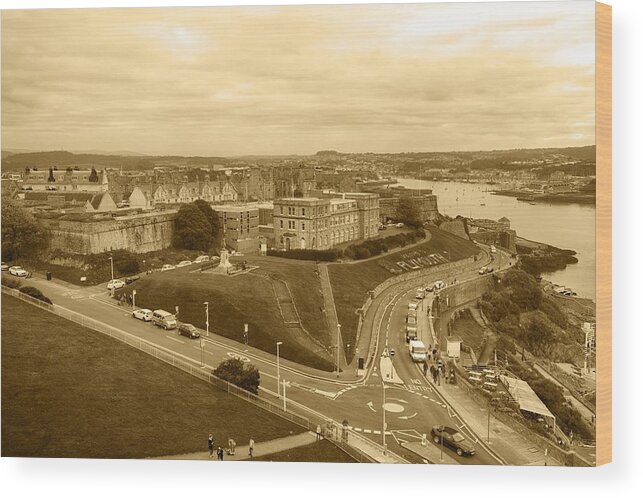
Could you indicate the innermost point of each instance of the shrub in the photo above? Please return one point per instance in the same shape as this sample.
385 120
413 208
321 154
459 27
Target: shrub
127 266
235 372
35 293
11 283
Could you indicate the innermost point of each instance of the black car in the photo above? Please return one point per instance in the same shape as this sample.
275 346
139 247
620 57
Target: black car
451 438
189 330
130 280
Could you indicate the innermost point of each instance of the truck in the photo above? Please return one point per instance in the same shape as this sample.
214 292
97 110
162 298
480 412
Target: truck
411 328
417 350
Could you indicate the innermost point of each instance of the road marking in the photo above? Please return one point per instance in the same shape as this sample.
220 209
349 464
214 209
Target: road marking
370 405
408 417
236 356
206 352
367 431
175 339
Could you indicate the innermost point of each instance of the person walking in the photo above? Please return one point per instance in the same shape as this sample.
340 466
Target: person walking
211 445
220 454
251 447
319 432
232 444
433 373
425 367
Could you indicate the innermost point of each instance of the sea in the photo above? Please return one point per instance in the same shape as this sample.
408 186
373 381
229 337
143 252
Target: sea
567 226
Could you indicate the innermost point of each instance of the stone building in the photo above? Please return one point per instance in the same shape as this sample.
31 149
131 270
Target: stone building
315 223
67 180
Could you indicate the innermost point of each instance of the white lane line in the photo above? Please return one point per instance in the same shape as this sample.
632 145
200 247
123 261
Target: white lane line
206 352
175 339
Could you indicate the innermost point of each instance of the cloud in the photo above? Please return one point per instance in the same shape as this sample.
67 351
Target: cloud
298 79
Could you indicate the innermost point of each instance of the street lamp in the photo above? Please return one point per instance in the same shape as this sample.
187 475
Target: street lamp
339 328
278 344
111 264
207 318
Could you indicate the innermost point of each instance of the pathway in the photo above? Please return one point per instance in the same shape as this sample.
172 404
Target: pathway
331 313
260 449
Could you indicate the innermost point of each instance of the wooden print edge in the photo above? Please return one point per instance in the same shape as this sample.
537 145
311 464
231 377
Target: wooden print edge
603 132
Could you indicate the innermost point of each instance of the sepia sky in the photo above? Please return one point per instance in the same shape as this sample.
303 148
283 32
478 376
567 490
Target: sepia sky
294 80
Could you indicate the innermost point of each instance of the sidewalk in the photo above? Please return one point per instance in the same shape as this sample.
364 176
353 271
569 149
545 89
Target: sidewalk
504 441
260 449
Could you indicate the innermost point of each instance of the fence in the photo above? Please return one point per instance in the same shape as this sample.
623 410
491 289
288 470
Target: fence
193 368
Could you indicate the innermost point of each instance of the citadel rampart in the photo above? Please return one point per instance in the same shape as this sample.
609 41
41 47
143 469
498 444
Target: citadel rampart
143 232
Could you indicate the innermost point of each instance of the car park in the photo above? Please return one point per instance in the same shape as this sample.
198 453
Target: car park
5 267
451 438
142 314
189 330
168 267
202 259
18 271
186 262
115 284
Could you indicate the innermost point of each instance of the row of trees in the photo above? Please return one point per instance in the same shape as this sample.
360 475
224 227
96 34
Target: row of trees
196 227
23 235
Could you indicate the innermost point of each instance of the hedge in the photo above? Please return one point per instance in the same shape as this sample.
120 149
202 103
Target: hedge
375 247
35 293
307 254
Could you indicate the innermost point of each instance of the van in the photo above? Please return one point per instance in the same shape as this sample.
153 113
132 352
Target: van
417 350
164 319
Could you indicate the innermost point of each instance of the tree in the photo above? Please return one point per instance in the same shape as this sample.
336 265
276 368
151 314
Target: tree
524 289
192 229
409 213
212 217
22 234
235 372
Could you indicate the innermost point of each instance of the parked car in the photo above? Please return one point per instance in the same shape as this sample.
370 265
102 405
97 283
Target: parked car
5 267
183 263
143 314
168 267
400 225
18 271
189 330
164 319
436 286
115 284
451 438
131 279
202 259
413 305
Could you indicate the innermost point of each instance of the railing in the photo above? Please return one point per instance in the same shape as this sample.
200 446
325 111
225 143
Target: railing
193 368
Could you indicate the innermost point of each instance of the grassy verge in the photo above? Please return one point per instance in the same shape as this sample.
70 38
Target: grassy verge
322 451
246 298
71 392
351 282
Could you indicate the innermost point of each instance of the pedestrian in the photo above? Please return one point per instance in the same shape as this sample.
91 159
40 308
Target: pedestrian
319 432
433 372
220 454
425 367
251 447
232 444
211 445
435 354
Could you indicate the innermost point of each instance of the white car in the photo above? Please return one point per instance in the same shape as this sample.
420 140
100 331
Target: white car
18 271
186 262
202 259
168 267
400 225
143 314
5 266
115 284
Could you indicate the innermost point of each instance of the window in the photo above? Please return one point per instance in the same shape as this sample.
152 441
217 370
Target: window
303 226
303 211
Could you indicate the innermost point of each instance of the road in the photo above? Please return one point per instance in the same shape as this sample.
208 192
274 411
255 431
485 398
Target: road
413 406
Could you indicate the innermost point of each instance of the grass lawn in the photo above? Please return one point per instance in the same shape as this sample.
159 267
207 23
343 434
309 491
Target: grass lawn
351 282
322 451
247 298
303 279
70 392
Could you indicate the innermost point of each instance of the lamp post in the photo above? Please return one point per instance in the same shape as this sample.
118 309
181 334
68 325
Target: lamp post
339 328
111 264
278 344
207 318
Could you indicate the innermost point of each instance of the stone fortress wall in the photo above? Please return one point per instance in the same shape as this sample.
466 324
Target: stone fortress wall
137 233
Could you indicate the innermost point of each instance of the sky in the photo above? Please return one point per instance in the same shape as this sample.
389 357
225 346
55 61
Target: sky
229 81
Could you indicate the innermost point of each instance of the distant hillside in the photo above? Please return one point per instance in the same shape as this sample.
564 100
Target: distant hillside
63 158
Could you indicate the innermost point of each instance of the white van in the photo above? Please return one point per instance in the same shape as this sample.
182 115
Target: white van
164 319
417 350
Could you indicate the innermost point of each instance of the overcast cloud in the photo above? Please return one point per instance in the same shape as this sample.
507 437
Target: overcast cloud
279 80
